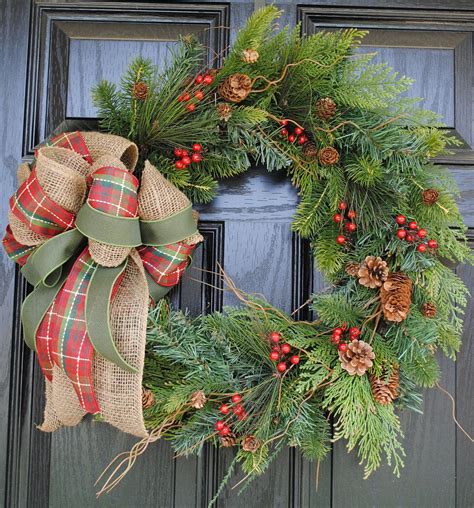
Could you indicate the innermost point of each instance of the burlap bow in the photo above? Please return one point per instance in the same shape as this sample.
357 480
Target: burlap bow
94 247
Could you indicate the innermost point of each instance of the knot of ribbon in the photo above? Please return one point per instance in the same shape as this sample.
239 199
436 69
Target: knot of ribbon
78 257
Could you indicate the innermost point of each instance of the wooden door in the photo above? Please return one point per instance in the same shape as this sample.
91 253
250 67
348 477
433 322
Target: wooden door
52 53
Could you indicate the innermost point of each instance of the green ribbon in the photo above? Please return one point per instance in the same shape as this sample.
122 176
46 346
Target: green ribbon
48 268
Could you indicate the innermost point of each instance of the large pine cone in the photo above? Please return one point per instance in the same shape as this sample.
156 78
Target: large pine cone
357 358
325 108
430 196
328 156
395 295
429 310
385 391
235 88
373 272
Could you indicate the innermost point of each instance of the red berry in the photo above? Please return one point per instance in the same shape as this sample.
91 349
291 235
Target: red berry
342 347
198 80
199 95
186 160
196 157
242 416
178 152
281 367
421 247
285 349
274 356
337 217
295 360
302 140
351 226
354 331
432 244
336 339
284 132
197 147
186 97
401 219
412 225
410 238
179 165
340 239
338 331
181 98
342 205
291 138
401 233
422 233
238 409
298 131
225 431
284 122
274 337
219 425
208 79
191 107
224 409
351 214
236 398
185 153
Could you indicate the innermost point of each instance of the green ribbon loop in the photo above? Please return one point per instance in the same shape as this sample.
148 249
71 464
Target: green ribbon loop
157 292
172 229
98 299
105 228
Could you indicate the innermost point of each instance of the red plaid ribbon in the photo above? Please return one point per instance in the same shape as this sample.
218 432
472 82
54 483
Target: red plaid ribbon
166 263
71 140
62 337
15 250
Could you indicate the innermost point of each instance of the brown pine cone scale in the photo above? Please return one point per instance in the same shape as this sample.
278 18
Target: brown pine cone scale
235 88
198 399
357 358
148 399
325 108
395 296
429 310
328 156
385 391
373 272
140 91
430 196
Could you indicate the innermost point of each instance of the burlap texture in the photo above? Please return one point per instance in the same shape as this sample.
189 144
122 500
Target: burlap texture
118 392
23 172
158 198
107 255
23 233
107 144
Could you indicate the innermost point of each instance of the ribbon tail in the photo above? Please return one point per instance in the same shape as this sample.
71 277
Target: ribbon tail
156 291
98 300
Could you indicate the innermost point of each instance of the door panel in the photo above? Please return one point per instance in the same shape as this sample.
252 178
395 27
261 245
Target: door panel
67 47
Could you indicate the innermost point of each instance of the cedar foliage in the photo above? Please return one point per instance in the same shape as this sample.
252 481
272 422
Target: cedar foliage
386 145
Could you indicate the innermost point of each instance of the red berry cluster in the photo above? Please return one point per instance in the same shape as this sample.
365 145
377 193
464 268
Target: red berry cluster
236 408
184 158
411 233
293 134
342 335
345 218
279 352
198 95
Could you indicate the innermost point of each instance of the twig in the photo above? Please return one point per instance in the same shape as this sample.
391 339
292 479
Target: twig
460 427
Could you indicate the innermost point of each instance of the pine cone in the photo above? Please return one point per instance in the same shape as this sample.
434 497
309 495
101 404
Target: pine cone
250 56
328 156
228 441
250 444
198 399
140 91
430 196
357 358
235 88
373 272
395 295
325 108
385 391
429 310
148 399
225 111
310 150
352 269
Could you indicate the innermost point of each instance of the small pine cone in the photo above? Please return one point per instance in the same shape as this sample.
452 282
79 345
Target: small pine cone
325 108
198 399
429 310
235 88
352 269
148 399
250 56
385 391
328 156
225 111
228 441
373 272
430 196
310 150
140 91
395 295
357 358
250 444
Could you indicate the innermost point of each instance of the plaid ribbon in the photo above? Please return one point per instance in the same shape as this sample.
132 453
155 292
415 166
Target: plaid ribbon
15 250
166 263
71 140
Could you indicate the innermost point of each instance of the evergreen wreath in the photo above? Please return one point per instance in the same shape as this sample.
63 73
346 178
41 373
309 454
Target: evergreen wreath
381 218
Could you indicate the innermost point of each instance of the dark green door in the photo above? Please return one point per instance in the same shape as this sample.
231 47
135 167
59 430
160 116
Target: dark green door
53 52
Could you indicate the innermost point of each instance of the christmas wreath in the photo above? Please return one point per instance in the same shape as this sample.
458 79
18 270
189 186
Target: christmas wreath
102 221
